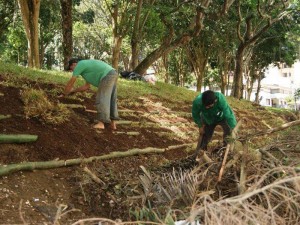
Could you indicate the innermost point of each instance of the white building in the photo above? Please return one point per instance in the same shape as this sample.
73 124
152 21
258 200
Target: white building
279 85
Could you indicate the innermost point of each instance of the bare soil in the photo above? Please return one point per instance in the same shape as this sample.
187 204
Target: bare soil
39 196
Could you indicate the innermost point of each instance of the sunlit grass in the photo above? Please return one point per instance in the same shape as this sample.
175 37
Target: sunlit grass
130 92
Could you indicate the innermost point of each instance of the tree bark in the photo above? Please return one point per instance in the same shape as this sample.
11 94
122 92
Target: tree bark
67 30
138 32
258 88
135 39
30 11
237 85
116 51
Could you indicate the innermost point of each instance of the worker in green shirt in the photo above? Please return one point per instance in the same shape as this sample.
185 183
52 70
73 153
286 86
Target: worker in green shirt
102 76
209 110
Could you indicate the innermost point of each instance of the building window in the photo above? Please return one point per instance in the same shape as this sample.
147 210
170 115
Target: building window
268 101
274 91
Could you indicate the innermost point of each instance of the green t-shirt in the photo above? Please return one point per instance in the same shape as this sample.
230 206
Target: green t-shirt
92 70
220 111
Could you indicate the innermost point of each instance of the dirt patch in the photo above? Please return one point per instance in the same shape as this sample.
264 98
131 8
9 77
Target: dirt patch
69 193
36 197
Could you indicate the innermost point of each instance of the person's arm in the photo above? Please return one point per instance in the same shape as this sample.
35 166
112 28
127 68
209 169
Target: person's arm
69 85
82 88
228 113
196 112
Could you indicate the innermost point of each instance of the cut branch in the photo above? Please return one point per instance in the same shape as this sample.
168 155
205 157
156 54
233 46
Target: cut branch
17 138
4 116
272 130
229 146
29 166
93 176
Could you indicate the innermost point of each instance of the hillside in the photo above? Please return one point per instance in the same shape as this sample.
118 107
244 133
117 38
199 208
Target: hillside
155 126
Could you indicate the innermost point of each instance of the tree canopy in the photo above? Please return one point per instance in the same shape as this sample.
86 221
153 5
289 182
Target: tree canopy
184 41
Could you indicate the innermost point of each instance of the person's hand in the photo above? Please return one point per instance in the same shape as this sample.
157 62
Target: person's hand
61 96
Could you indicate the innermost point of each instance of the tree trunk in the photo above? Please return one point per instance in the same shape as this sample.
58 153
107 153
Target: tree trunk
224 73
136 36
202 62
67 26
166 65
237 85
30 10
250 82
116 51
151 58
258 88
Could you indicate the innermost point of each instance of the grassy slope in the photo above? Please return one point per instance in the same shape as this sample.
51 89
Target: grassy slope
172 96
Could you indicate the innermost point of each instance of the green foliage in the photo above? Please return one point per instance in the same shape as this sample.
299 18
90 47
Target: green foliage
154 28
91 43
7 9
179 68
16 45
297 94
93 34
145 214
88 16
212 78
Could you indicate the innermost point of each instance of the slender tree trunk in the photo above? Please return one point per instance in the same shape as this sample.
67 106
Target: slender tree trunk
238 75
67 43
166 65
134 54
258 89
250 83
138 32
30 11
224 73
135 36
116 51
201 72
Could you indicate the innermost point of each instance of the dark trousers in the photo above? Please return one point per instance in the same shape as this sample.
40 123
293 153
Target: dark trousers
209 131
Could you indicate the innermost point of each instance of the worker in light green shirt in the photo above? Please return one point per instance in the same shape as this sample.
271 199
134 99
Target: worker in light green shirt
102 76
209 110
